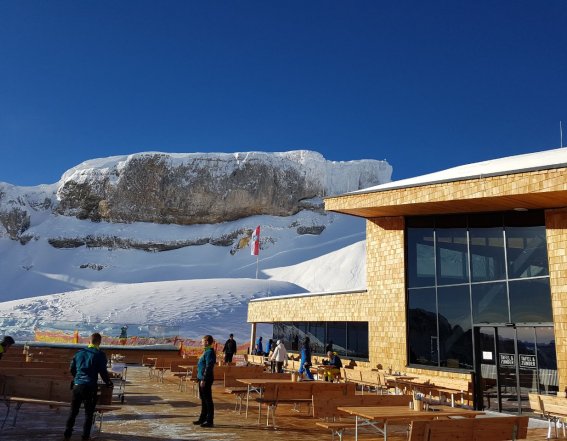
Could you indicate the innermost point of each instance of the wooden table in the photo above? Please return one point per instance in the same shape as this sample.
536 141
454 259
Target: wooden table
188 373
399 379
391 414
256 385
150 365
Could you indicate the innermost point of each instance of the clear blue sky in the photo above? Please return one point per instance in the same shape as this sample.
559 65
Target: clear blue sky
426 85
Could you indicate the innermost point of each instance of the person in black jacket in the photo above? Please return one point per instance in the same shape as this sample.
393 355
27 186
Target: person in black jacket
5 344
87 364
229 349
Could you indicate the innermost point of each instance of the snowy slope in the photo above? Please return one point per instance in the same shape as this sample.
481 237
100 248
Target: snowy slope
197 288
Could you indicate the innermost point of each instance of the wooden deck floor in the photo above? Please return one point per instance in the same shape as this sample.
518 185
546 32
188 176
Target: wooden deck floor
158 411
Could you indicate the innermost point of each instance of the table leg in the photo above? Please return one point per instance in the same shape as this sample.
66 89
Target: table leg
247 399
356 428
385 430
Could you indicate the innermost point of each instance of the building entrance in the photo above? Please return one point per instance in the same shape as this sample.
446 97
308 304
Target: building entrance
512 361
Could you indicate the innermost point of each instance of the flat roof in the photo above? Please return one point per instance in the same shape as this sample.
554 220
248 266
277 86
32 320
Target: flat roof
528 182
544 160
308 294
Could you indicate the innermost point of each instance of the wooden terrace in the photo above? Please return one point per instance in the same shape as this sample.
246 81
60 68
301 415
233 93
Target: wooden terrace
155 411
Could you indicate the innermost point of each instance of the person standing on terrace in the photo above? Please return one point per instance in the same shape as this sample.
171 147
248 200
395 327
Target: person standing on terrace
279 356
229 349
305 361
87 364
205 368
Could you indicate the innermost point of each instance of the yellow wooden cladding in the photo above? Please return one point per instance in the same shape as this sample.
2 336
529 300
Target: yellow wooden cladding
383 305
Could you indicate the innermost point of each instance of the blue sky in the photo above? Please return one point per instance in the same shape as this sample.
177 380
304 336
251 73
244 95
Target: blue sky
426 85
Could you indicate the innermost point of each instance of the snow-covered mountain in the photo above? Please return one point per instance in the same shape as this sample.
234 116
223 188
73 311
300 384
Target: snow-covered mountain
83 249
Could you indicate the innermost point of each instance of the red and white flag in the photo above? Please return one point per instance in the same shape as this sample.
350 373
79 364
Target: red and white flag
255 242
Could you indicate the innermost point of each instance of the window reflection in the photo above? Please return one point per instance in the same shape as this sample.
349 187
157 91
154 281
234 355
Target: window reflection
489 303
452 262
527 252
421 252
487 254
348 338
422 321
482 268
455 328
523 308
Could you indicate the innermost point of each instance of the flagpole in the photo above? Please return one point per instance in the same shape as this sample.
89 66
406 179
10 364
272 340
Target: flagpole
257 259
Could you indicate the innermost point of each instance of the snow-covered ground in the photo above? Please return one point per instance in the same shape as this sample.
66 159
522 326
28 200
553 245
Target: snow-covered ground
198 289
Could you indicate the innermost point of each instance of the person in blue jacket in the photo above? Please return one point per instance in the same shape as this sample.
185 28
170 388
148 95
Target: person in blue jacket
259 350
87 364
205 375
305 361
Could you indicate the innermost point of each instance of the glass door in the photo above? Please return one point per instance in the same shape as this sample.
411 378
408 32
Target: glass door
512 362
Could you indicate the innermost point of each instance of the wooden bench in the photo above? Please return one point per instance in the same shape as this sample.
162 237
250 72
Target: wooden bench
367 380
448 389
37 371
471 429
234 387
297 393
37 364
100 409
52 392
325 407
178 374
552 408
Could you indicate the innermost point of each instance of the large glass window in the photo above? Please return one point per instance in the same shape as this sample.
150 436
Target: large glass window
455 327
347 338
465 270
357 337
422 320
523 308
317 336
527 252
487 254
452 256
336 335
422 252
489 303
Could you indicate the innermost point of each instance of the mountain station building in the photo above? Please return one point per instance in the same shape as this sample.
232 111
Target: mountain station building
466 273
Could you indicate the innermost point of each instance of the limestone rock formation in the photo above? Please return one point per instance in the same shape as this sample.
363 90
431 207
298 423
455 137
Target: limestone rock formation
207 188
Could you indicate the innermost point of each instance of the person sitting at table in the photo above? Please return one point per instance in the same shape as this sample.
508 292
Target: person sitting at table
305 360
279 356
334 364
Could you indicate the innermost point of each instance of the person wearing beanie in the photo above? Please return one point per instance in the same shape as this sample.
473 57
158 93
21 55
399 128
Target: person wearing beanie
7 341
279 356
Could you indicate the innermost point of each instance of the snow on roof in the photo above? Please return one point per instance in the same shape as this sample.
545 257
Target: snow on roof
547 159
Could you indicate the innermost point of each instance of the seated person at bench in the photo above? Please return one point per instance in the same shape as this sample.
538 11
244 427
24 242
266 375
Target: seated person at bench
87 364
334 364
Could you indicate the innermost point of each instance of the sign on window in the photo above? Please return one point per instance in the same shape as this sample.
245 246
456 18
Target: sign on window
527 361
507 360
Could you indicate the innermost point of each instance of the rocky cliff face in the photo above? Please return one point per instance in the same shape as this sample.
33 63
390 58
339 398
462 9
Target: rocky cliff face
185 189
207 188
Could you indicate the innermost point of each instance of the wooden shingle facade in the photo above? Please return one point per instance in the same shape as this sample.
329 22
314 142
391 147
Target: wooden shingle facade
389 209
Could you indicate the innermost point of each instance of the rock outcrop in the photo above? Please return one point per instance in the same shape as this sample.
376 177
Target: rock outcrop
207 188
183 189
